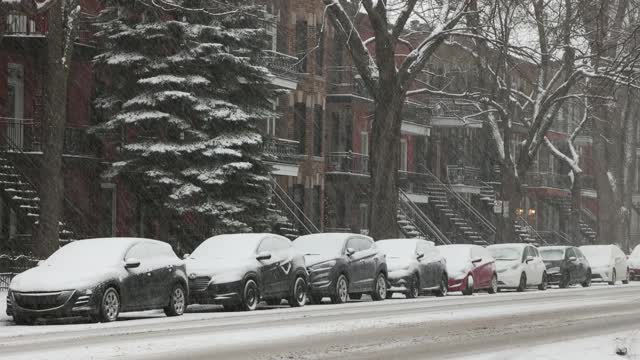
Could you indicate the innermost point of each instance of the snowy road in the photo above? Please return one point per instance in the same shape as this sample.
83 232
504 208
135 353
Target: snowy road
531 325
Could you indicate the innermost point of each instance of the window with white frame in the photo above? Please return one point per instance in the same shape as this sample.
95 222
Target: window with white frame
364 217
364 143
404 158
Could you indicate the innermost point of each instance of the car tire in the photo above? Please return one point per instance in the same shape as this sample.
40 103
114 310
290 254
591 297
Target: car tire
444 286
250 296
355 296
543 284
298 297
613 277
22 320
565 279
494 285
468 290
341 292
177 302
587 281
109 305
414 287
522 285
626 281
273 301
379 288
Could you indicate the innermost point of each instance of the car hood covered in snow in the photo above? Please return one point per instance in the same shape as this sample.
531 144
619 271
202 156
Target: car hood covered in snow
314 259
56 278
219 268
506 264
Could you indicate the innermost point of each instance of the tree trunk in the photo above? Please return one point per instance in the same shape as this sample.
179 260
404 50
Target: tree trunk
51 184
576 208
385 158
512 199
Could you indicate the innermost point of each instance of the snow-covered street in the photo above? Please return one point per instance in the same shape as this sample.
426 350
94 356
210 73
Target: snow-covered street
532 325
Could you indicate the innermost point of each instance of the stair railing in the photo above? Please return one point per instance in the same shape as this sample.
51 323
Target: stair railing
531 231
419 219
294 213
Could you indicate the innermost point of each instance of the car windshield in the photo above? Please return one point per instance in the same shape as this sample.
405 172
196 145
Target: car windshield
458 256
397 248
636 253
505 253
319 245
226 247
89 253
552 254
597 255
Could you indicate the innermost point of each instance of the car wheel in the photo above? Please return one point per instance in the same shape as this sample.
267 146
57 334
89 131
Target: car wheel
250 296
443 289
379 288
342 291
613 277
543 284
468 290
177 302
494 285
110 305
355 296
273 301
298 296
522 285
22 320
587 281
565 279
414 288
626 280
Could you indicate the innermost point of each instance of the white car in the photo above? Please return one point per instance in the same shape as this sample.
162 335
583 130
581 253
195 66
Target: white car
519 266
608 263
634 264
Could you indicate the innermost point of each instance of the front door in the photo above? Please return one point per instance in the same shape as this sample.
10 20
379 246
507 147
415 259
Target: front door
15 102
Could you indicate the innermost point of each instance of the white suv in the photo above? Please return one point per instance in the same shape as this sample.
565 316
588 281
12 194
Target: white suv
519 266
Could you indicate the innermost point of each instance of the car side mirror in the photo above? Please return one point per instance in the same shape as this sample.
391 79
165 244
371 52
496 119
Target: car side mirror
131 263
185 256
263 256
420 256
529 259
573 258
40 263
476 260
351 251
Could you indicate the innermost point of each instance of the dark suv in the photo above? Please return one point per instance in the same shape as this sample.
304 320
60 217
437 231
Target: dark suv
566 265
342 266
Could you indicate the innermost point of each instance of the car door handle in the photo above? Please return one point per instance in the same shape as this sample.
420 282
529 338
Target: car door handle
170 267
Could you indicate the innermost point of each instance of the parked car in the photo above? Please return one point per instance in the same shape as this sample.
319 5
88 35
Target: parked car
566 265
519 266
470 268
634 264
239 270
99 278
343 265
608 263
415 267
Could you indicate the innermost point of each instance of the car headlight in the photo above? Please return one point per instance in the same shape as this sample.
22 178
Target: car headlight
327 265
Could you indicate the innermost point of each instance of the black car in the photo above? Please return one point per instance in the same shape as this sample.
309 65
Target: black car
566 265
343 265
239 270
99 278
415 267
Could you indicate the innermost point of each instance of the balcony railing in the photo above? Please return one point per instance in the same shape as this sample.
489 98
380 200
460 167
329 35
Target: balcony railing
348 162
26 135
548 180
466 175
18 24
281 65
283 150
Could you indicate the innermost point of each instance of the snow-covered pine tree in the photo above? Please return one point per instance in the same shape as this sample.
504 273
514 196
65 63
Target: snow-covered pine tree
180 90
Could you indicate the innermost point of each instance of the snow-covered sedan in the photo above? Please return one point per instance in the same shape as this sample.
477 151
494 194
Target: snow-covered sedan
470 268
519 266
634 264
415 267
99 278
239 270
608 263
566 265
343 265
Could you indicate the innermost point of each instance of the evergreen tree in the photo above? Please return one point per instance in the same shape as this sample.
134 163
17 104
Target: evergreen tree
180 90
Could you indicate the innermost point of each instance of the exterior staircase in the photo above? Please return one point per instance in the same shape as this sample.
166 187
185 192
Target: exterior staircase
414 223
585 228
290 220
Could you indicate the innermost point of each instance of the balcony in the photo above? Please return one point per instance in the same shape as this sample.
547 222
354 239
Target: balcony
345 81
25 135
286 68
451 113
547 180
463 175
16 24
282 150
347 163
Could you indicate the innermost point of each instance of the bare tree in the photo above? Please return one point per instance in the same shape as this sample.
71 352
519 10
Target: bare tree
388 78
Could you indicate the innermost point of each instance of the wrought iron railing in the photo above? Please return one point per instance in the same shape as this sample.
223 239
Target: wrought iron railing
26 135
421 221
283 150
531 231
556 237
347 162
20 24
291 210
281 65
466 175
344 80
548 180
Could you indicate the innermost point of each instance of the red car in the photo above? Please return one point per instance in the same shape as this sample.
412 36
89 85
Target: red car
470 268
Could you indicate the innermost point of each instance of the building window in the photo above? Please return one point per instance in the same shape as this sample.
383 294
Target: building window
403 155
300 126
15 104
271 126
301 44
318 130
317 192
272 28
319 52
364 218
364 143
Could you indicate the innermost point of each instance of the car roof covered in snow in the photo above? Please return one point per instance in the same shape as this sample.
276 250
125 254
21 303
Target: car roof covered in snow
509 245
247 237
408 240
336 236
554 247
123 242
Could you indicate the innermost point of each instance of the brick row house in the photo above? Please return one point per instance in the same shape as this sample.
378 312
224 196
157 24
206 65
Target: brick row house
318 146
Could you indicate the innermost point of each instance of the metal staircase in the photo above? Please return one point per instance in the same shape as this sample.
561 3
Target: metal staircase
586 229
415 224
290 220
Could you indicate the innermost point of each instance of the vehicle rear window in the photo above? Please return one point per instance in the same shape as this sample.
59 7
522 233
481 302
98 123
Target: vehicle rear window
552 254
